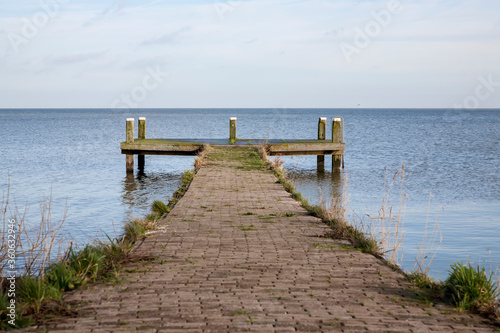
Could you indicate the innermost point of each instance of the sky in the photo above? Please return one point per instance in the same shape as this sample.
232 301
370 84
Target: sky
250 54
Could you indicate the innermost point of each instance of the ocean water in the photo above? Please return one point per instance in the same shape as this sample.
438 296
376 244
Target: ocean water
450 158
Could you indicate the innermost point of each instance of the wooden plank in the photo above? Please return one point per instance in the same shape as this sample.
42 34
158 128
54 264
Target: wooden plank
312 148
179 147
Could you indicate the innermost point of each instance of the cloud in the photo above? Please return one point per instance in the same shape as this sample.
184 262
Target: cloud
114 9
145 62
170 38
73 58
251 41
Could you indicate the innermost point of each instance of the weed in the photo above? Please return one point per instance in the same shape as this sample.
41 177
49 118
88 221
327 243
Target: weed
61 276
160 208
35 291
246 228
34 247
472 289
428 249
153 217
134 229
241 312
87 262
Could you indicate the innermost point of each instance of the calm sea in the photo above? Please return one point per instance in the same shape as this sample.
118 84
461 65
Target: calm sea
450 157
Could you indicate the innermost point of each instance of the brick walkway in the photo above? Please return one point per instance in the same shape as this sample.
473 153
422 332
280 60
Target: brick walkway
238 254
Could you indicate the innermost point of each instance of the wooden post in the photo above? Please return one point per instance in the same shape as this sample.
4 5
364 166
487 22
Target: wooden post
141 159
130 130
142 128
321 136
130 163
130 139
232 129
337 138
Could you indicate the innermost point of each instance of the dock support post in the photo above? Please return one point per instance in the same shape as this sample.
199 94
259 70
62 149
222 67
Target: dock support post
130 139
142 128
232 129
337 138
321 136
141 159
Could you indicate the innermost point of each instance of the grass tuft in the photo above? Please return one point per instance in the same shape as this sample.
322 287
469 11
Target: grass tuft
35 291
160 208
61 276
472 288
87 262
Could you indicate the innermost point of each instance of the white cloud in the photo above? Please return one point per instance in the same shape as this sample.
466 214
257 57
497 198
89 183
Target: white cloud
168 38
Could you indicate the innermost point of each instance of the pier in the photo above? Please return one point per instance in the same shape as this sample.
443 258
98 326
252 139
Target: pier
239 254
320 147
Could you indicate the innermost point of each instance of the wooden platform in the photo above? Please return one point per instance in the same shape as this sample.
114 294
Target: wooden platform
194 146
142 146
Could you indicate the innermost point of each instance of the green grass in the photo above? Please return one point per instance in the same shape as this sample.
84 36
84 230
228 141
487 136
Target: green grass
20 320
153 217
35 291
4 303
87 262
160 208
246 227
62 276
239 313
247 159
471 288
133 230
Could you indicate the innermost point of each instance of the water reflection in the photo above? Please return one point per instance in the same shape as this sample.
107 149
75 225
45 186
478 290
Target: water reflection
329 184
142 188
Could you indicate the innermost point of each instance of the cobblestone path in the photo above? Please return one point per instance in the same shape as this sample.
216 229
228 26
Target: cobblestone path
238 254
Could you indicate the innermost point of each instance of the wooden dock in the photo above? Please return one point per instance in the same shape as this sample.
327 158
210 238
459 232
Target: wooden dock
322 146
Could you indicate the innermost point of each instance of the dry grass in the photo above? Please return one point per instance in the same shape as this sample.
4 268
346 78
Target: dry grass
429 245
200 159
35 246
387 225
339 204
333 215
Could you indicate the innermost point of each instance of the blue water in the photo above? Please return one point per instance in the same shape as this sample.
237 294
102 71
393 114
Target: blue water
74 154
